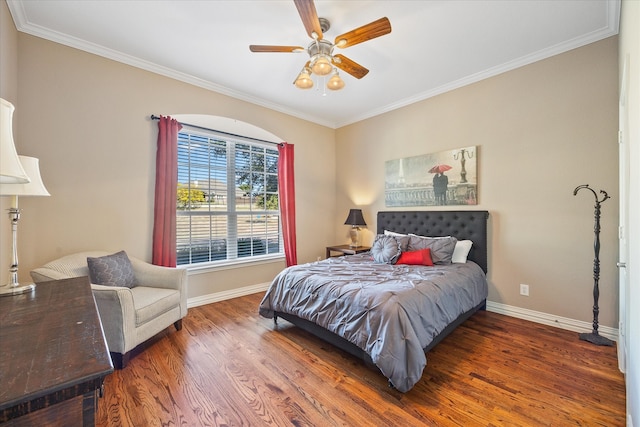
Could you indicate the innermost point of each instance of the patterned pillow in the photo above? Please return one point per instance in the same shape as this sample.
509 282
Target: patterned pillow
385 249
112 270
441 247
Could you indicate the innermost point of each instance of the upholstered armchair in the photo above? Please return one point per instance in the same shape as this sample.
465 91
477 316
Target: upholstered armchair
129 316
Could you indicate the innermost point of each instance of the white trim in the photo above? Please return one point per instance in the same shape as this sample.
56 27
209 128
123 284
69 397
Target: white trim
225 295
23 25
610 30
550 319
193 269
507 310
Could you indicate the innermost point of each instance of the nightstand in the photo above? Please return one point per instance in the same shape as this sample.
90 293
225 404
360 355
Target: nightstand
346 250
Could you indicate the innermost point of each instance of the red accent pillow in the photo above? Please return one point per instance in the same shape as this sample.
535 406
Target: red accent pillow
421 257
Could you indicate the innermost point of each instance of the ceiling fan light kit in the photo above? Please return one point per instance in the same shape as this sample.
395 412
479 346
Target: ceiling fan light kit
322 62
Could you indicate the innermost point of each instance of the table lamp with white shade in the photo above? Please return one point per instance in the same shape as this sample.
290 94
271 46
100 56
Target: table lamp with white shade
15 185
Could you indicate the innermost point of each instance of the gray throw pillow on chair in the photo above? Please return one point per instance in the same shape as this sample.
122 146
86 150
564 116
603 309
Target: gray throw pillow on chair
112 270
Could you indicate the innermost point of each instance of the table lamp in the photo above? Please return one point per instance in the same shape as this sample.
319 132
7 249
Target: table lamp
22 179
355 220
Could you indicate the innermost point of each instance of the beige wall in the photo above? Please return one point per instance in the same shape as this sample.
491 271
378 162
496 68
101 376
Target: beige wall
87 119
8 56
541 130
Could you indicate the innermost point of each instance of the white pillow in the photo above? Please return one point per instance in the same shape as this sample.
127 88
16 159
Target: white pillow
393 233
461 251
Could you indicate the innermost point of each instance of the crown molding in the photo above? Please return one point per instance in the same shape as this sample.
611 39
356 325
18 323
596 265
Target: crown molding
611 29
18 13
23 25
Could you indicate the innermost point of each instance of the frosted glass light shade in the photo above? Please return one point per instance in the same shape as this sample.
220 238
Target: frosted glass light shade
304 80
321 66
335 82
11 170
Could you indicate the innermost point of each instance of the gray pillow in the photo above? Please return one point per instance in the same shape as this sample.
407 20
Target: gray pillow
385 249
403 239
112 270
441 247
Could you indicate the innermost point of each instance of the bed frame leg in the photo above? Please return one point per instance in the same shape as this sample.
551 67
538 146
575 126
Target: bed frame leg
275 320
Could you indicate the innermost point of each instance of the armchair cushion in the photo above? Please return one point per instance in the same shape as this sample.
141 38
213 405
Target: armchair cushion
150 303
112 270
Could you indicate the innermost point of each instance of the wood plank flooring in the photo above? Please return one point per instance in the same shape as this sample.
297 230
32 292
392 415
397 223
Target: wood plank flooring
230 367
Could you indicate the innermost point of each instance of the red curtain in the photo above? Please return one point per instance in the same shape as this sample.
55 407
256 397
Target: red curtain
164 213
286 189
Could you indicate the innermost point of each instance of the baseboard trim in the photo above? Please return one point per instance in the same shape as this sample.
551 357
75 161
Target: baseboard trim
225 295
551 320
507 310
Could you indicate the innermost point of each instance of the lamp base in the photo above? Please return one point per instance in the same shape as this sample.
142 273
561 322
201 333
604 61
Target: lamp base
354 233
595 339
16 289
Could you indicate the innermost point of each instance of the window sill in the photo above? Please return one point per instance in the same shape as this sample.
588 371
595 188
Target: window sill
231 264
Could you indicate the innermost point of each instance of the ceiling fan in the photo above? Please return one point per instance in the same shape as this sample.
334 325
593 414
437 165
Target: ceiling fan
321 58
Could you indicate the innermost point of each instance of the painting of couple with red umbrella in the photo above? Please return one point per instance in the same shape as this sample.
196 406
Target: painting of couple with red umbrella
445 178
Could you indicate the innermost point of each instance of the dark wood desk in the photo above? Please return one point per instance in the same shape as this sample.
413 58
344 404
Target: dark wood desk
53 355
346 249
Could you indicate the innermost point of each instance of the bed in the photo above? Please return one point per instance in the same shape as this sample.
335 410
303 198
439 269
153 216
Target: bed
389 315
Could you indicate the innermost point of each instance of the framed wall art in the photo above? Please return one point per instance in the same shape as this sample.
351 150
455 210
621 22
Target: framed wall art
445 178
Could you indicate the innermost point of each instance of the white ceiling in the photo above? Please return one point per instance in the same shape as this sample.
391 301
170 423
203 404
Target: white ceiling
435 46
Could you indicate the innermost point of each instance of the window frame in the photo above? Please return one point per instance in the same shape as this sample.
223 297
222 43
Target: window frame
231 236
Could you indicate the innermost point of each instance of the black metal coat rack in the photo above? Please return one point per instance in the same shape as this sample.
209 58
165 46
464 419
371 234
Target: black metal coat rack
594 337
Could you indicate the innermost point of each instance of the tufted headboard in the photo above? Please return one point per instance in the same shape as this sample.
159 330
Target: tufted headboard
463 225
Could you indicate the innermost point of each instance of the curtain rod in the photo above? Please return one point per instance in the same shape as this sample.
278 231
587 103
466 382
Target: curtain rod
154 117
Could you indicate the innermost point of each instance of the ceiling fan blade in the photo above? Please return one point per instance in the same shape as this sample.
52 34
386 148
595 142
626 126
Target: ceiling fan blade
307 11
349 66
267 48
361 34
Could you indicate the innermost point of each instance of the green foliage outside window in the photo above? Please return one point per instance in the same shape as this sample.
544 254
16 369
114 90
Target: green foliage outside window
257 175
189 198
271 202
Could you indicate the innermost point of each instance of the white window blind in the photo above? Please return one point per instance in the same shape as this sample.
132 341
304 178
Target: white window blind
227 205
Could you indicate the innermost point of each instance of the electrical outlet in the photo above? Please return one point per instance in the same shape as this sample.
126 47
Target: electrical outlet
524 289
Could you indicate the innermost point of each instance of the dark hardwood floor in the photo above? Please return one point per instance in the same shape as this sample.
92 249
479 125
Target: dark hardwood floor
230 367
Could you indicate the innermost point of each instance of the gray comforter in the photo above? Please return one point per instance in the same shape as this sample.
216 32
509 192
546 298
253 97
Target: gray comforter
390 311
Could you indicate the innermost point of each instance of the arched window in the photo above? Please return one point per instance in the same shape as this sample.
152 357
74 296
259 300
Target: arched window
227 203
